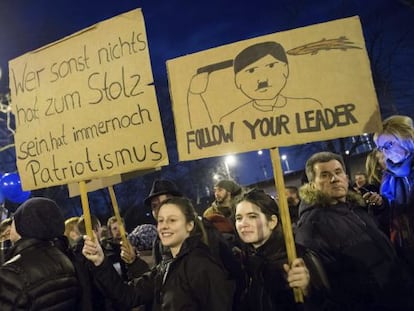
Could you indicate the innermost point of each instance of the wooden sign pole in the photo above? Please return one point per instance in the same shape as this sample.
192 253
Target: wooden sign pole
284 214
85 208
117 215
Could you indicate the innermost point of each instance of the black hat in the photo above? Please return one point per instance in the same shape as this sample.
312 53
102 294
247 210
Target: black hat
39 218
230 186
162 186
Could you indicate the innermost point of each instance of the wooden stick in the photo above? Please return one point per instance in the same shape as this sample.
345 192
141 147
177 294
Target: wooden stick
284 214
85 208
117 215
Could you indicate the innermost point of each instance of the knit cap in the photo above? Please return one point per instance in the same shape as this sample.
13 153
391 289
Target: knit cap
143 236
39 218
230 186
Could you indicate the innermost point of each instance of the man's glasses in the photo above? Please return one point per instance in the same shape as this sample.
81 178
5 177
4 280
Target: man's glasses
387 146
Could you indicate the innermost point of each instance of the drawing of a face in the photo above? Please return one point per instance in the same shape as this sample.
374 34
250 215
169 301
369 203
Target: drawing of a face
263 79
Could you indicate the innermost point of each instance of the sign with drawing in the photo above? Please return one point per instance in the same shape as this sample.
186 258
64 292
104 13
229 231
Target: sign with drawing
308 84
85 106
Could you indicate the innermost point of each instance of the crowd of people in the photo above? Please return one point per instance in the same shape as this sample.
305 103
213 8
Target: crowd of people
354 243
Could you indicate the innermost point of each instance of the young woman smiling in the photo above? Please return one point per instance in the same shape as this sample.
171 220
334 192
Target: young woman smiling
270 278
191 279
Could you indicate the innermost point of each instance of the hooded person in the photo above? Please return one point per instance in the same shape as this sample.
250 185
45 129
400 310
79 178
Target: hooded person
37 274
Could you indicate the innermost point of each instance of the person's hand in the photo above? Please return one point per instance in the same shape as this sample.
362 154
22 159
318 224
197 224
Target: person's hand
373 198
92 250
298 275
128 252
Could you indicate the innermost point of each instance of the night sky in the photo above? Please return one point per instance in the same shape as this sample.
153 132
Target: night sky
177 27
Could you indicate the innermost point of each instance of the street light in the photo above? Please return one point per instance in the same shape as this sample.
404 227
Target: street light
229 161
284 158
262 165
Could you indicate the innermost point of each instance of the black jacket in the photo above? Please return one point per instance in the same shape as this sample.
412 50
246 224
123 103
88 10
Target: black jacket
267 288
37 276
193 280
361 264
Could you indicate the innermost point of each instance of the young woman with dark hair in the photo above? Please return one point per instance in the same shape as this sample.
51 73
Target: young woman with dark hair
270 278
191 279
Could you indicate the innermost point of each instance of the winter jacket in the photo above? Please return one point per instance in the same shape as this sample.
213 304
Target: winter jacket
37 276
218 208
362 267
267 287
193 280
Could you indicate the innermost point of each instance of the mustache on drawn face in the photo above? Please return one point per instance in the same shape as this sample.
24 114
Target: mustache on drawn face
262 84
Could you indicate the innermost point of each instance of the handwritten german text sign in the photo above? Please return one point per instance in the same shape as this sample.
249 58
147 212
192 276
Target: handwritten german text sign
85 106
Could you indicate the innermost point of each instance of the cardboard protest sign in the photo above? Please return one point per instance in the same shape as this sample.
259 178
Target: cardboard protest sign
105 182
85 106
94 184
308 84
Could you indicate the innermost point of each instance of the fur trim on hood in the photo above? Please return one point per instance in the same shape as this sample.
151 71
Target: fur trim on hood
312 196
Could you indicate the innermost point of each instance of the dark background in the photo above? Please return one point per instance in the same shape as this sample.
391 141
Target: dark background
176 28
